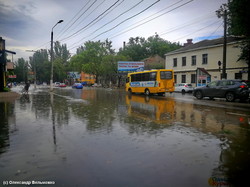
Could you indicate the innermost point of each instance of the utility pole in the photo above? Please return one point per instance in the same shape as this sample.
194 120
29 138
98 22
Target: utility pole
52 56
222 12
2 64
224 65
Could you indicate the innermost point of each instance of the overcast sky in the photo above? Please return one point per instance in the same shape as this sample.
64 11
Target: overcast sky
27 24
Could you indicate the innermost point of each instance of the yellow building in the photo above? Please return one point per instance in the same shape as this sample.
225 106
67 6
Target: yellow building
89 79
199 63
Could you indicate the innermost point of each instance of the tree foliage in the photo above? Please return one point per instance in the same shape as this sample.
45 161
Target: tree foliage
61 59
139 48
238 22
21 70
92 58
39 62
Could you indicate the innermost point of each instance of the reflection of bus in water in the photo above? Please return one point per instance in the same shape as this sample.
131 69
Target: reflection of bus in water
151 82
158 110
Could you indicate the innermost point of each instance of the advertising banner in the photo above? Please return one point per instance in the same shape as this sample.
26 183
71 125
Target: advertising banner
128 66
74 75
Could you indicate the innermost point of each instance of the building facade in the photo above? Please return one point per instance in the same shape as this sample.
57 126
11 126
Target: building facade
201 63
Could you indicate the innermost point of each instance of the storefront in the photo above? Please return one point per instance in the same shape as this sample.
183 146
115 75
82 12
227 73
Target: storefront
203 77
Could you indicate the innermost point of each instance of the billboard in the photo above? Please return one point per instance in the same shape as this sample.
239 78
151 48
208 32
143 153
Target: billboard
128 66
74 75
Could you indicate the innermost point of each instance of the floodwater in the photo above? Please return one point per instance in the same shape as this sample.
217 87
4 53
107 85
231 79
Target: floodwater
103 137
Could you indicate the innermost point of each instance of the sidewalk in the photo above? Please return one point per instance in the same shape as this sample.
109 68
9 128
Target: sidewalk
8 96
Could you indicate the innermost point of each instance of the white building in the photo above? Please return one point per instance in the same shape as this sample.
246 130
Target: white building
198 63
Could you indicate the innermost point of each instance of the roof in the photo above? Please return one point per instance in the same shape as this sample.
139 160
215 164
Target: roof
205 44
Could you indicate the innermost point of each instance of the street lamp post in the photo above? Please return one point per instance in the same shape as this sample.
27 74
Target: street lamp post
52 56
34 68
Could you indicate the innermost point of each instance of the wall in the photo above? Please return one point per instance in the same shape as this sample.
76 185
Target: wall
215 54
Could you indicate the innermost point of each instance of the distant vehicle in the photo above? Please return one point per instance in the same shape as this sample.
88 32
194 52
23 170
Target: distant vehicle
229 89
96 85
77 86
62 85
183 87
84 83
57 84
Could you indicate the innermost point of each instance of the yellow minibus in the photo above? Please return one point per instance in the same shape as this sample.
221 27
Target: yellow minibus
151 82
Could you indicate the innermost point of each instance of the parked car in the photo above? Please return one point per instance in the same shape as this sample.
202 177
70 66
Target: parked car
57 84
229 89
77 86
183 87
84 83
62 85
248 83
96 85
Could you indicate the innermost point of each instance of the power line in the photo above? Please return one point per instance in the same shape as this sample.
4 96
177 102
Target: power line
157 12
192 22
108 22
102 16
215 30
89 14
197 30
127 19
151 19
63 31
91 21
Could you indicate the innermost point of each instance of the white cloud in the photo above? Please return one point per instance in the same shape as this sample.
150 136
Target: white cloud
26 24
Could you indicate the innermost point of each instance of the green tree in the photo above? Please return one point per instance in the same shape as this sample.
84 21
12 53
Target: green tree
159 46
40 62
61 61
135 49
110 70
238 23
21 70
90 57
139 48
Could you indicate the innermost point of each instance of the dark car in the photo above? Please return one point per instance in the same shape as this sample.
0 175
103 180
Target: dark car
229 89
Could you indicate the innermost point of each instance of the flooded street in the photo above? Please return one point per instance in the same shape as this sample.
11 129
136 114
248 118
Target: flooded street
104 137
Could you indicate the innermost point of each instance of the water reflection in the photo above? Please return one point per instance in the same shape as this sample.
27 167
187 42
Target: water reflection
121 139
4 125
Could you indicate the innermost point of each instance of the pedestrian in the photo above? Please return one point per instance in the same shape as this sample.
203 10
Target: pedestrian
26 87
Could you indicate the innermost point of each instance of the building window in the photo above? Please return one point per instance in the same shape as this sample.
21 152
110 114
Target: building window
204 58
238 75
183 78
194 60
193 78
175 78
183 61
175 62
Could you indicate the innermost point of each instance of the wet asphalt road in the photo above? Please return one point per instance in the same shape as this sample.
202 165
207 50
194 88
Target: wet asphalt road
104 137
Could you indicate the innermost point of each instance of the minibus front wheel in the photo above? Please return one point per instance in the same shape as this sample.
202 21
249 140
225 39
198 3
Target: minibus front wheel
147 92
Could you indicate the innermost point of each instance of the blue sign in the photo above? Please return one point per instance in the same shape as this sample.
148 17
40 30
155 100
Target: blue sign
130 66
